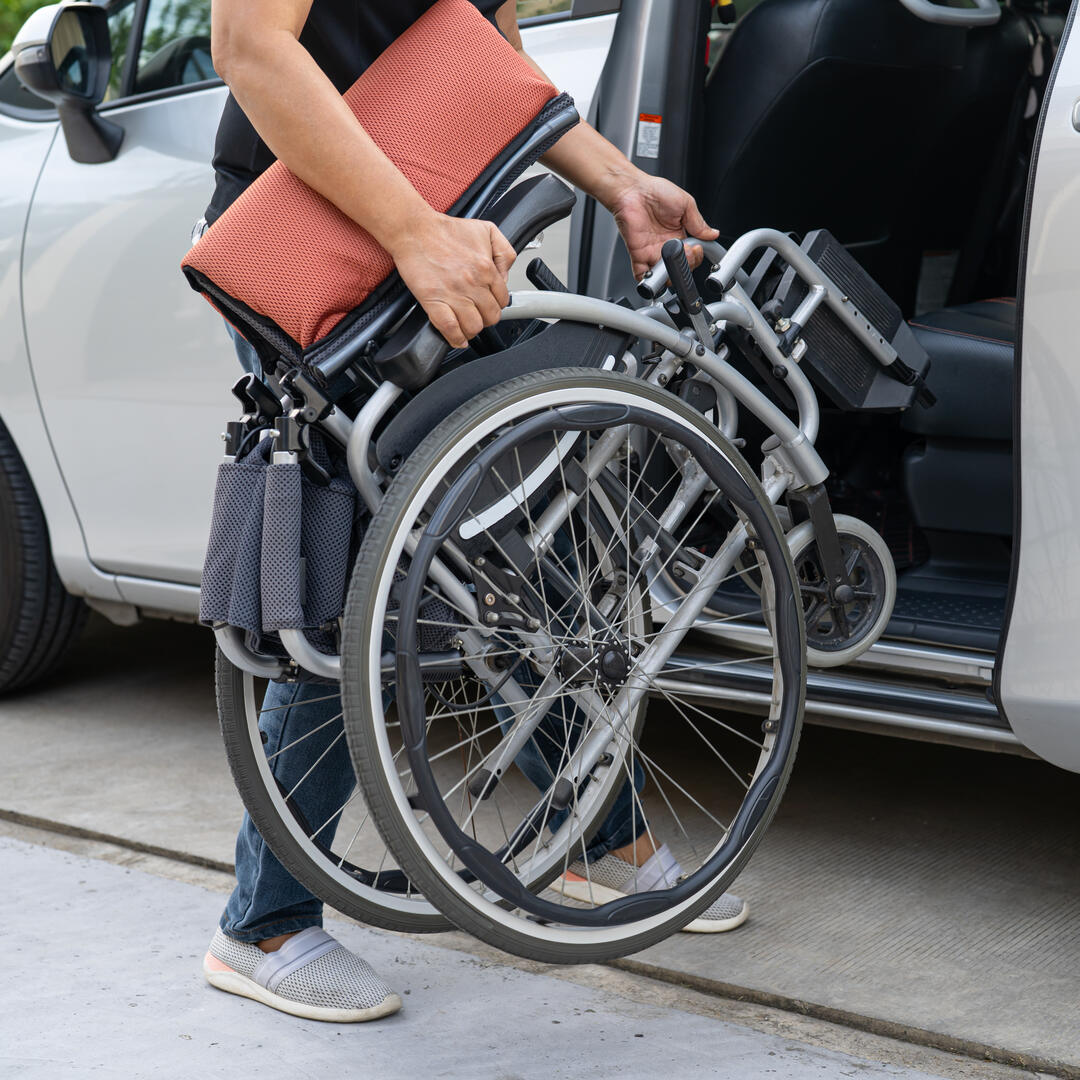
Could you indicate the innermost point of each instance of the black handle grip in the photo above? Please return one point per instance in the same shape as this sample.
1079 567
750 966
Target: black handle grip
680 277
541 275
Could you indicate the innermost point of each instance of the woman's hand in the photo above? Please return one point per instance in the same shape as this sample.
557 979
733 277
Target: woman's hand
650 211
456 268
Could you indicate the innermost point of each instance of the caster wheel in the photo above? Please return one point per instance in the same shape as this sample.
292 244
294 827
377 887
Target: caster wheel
837 633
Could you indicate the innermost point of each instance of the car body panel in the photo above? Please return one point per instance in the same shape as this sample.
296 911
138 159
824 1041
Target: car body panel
1039 673
23 148
117 405
132 367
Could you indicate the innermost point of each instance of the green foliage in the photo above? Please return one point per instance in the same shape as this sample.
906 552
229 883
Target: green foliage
13 13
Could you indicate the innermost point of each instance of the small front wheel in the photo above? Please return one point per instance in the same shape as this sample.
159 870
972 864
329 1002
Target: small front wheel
837 633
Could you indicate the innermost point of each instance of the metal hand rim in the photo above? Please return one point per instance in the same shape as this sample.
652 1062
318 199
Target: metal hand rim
477 859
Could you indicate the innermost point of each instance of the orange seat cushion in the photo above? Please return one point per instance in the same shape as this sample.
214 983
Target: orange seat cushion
441 102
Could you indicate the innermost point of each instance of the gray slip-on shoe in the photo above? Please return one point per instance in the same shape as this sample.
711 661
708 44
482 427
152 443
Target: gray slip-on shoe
611 878
312 975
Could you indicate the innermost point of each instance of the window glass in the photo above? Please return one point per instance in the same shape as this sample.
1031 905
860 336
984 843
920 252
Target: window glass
121 18
527 9
175 48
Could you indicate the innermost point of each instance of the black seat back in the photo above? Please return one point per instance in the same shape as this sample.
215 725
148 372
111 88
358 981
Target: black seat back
975 142
820 114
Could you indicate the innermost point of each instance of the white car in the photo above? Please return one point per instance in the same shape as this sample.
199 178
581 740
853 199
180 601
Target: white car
905 127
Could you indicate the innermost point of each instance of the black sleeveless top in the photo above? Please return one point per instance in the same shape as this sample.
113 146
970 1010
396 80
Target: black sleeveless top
343 37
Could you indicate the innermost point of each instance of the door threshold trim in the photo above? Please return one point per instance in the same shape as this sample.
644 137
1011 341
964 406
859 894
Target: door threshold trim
852 715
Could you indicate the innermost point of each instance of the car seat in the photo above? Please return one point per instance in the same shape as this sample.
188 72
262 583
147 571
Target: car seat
820 114
958 474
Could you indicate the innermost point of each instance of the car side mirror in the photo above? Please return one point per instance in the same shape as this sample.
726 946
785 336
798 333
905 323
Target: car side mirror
62 53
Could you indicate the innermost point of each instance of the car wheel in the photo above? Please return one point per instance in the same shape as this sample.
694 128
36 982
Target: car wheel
39 619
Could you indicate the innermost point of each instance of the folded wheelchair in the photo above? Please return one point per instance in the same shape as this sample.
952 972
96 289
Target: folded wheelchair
483 567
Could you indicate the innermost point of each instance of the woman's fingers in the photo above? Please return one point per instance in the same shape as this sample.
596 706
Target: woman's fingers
445 320
489 308
694 254
696 224
502 251
469 318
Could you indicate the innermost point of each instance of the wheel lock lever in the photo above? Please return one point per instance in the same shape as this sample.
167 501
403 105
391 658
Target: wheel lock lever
681 279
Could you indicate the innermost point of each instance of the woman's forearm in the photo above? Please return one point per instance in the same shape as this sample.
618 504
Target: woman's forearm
583 156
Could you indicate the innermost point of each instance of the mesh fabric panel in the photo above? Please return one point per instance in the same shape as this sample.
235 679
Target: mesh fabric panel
727 907
241 956
441 102
336 980
616 874
609 871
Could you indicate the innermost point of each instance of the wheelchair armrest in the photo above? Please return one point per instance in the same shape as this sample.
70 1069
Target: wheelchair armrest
530 207
413 353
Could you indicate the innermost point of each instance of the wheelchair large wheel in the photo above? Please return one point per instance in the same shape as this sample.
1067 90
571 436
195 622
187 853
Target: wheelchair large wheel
286 749
504 594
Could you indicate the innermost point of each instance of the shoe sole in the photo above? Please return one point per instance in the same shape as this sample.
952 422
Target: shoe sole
222 977
579 889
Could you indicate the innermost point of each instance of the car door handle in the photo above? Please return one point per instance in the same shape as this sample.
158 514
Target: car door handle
1076 116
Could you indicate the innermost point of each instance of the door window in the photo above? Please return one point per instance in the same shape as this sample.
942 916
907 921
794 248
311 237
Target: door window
175 46
15 97
121 20
529 9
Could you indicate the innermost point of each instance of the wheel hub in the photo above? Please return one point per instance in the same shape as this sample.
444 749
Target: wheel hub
607 662
614 665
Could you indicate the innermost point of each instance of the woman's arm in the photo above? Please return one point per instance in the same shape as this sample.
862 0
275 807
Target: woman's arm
648 209
456 269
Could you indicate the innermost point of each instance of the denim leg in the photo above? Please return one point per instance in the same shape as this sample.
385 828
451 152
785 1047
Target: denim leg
542 756
245 352
267 900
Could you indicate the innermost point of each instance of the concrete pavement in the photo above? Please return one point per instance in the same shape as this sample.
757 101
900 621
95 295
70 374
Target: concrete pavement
101 977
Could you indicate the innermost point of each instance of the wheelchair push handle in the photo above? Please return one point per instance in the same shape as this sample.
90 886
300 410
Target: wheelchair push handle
680 276
541 275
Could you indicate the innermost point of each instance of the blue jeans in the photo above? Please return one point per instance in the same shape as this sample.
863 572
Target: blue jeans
268 900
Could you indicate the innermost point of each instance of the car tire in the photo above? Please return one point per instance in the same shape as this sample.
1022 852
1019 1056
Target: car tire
39 618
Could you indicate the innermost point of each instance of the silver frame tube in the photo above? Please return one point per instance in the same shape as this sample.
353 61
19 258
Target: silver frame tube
375 408
798 447
231 642
308 657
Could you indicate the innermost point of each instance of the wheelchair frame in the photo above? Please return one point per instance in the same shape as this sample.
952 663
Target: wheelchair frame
791 460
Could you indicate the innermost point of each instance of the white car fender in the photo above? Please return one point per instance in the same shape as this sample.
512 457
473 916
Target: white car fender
20 409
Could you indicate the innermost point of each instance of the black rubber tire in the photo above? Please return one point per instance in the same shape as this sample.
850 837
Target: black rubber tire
358 723
39 619
229 685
